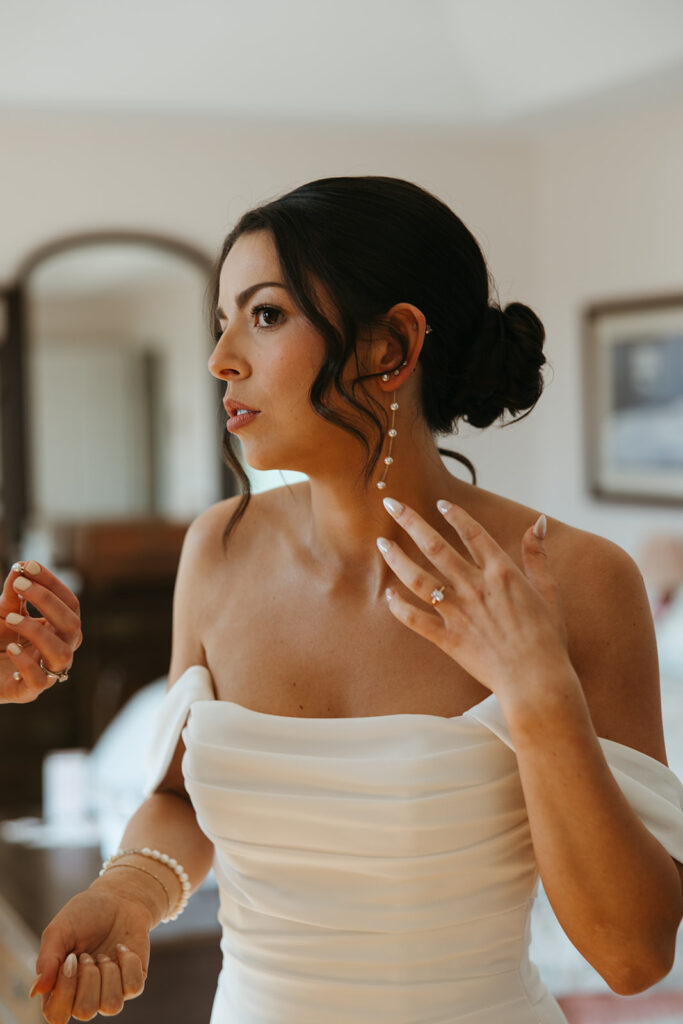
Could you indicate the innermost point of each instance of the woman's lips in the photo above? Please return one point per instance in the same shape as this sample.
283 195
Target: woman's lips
236 421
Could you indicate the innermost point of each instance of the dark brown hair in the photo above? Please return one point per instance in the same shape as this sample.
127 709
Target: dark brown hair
373 242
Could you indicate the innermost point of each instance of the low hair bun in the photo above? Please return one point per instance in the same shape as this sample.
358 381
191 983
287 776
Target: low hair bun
504 373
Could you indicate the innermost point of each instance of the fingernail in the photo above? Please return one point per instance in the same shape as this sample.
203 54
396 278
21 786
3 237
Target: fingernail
14 648
85 958
383 544
393 506
102 958
540 527
21 583
13 619
34 987
32 567
388 593
70 966
443 505
122 949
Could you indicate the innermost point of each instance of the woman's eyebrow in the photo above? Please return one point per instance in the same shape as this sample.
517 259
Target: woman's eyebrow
244 296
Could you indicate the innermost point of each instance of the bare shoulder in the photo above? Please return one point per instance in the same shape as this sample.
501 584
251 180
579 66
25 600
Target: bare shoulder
275 507
211 560
198 558
611 638
610 632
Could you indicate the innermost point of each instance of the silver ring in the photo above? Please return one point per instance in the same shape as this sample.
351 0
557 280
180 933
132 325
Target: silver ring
60 677
437 594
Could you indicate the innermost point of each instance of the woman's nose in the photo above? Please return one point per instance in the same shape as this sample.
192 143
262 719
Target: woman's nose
225 362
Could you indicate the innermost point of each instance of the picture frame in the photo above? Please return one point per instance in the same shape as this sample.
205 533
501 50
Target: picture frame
633 399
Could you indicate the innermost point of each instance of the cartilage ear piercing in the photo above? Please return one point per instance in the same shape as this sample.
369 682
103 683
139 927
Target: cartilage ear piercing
392 433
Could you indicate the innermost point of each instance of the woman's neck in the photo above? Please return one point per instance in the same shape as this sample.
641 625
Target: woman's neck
343 518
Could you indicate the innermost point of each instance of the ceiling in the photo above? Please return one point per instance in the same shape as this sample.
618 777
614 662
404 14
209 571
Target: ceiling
477 64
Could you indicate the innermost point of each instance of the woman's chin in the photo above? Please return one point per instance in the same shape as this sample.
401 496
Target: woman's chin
261 461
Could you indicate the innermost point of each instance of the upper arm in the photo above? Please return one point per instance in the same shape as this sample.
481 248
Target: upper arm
186 644
201 547
612 642
613 647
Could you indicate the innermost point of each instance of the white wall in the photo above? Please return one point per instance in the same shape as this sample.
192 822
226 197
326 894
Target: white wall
610 219
563 217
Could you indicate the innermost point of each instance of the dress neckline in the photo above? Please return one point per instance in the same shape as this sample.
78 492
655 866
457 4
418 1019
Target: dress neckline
490 699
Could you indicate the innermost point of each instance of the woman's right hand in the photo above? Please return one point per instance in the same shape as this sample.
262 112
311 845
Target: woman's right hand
94 954
53 637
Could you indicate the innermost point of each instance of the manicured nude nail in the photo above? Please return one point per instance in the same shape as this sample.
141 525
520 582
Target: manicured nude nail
70 966
85 958
14 648
21 583
32 567
13 619
443 505
102 958
393 506
34 986
122 949
540 527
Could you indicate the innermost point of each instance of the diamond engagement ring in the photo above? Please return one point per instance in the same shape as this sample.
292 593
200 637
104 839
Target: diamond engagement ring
437 595
60 677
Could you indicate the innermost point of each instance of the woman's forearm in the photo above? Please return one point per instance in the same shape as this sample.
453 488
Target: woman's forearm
613 887
166 822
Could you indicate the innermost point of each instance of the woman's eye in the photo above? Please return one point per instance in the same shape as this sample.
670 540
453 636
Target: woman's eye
268 313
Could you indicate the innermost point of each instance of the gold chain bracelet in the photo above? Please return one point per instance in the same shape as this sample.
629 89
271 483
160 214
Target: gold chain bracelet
136 867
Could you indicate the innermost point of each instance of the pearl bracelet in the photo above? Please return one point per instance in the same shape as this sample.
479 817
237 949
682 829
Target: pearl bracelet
171 863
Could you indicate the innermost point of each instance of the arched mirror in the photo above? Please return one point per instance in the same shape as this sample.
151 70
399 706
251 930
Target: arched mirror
109 411
111 445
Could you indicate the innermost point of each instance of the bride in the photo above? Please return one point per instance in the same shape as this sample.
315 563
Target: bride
395 698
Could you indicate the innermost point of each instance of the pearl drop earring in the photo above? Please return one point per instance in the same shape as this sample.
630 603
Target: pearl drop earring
392 432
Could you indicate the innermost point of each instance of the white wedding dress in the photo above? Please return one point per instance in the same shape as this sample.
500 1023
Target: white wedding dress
374 870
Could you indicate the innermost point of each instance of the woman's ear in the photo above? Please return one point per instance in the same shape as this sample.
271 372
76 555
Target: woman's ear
411 323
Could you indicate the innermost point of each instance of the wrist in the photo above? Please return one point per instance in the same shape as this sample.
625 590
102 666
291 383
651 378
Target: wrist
128 883
550 699
163 869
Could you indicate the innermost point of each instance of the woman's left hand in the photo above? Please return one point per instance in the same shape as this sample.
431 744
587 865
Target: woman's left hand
495 621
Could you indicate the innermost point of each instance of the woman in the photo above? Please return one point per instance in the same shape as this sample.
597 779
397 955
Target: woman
386 687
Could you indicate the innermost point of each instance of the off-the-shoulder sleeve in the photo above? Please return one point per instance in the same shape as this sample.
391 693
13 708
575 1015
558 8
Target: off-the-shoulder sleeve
654 792
194 684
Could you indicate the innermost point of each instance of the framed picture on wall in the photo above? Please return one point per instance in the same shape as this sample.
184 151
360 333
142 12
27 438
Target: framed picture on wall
633 399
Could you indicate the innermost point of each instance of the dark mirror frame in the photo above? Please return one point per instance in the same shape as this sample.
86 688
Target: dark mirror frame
16 469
